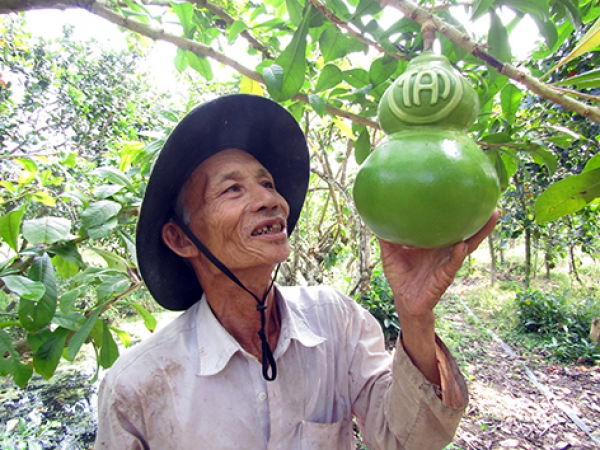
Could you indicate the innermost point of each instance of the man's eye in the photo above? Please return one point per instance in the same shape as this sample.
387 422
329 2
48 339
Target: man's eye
233 188
268 184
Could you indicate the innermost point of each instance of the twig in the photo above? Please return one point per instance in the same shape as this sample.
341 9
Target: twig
356 34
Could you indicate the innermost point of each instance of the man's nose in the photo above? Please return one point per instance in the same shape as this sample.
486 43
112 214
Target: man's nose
265 198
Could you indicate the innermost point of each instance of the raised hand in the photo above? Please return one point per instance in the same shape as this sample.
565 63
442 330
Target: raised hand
419 277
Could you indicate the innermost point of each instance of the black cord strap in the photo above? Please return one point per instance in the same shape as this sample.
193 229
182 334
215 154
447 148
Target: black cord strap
268 360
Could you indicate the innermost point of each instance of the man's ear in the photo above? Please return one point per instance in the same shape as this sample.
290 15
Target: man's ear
177 240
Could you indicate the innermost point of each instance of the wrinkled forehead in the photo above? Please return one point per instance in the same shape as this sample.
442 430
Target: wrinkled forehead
225 165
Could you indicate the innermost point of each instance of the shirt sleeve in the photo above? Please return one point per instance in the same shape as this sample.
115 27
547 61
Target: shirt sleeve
400 409
119 421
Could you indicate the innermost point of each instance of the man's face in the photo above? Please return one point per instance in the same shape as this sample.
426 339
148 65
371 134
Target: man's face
236 212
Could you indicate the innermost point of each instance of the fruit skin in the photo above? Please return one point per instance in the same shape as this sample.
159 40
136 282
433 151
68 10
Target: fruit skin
430 92
426 188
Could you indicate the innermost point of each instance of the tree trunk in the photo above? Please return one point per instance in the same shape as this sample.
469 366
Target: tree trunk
573 261
548 262
527 257
492 258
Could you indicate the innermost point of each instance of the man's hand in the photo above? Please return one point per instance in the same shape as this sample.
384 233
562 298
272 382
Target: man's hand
418 278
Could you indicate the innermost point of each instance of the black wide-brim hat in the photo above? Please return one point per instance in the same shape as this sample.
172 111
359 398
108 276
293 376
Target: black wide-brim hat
250 123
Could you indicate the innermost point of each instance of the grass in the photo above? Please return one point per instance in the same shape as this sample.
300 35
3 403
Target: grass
498 309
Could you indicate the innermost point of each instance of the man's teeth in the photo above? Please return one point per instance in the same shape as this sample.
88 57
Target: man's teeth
268 229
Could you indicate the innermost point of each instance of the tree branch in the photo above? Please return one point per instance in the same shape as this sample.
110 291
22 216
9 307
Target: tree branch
204 50
420 16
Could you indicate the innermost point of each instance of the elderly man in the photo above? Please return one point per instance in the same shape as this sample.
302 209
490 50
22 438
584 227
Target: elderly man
252 365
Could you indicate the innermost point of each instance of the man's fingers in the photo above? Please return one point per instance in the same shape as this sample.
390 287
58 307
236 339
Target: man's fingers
474 241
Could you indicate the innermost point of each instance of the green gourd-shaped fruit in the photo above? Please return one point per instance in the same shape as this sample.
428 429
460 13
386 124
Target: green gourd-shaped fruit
428 184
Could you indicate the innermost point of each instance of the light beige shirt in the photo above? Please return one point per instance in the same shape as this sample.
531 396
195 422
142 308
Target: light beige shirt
191 386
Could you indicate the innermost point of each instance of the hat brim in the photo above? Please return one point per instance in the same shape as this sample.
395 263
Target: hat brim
251 123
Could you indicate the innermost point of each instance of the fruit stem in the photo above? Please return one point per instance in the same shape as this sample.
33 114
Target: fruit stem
428 30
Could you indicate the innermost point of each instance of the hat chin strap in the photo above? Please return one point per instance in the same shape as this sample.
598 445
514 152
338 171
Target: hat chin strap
268 361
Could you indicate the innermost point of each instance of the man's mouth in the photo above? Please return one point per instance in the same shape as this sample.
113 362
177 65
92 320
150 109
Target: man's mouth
268 229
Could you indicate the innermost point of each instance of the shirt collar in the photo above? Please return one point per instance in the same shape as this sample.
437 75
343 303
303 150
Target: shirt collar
216 346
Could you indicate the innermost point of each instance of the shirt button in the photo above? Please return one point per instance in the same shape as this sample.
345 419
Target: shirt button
262 396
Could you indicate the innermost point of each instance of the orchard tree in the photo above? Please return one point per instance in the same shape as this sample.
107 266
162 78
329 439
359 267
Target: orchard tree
73 134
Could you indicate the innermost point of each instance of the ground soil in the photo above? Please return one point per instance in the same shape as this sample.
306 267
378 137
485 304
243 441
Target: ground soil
506 410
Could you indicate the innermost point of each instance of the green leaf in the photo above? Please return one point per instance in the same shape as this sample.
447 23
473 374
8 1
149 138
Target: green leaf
495 156
129 242
511 161
571 11
334 44
567 196
586 80
123 335
24 287
200 64
382 69
42 270
46 358
541 156
98 213
273 76
109 352
69 252
7 351
46 230
547 30
112 286
70 160
318 104
295 10
498 42
362 146
537 9
366 7
330 77
65 268
115 176
292 61
357 78
249 86
71 320
510 100
68 299
586 44
10 224
9 362
317 19
29 172
129 151
180 60
480 8
185 13
106 190
104 229
82 334
149 320
593 163
235 29
113 260
44 198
